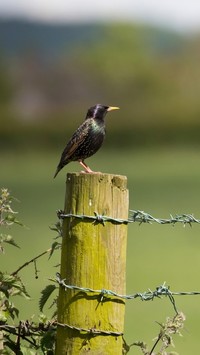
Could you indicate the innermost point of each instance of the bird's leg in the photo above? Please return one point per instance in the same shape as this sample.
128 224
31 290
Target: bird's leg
86 167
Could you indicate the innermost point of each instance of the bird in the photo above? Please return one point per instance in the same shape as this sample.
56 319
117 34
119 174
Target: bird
87 139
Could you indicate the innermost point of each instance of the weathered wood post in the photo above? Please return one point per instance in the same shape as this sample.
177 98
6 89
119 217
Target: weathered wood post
93 256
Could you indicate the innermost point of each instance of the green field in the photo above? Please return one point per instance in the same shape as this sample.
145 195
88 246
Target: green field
162 181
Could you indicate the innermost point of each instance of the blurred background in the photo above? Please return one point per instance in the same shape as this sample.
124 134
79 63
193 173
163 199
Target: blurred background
58 59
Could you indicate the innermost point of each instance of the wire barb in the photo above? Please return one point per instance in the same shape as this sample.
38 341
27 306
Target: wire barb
135 216
143 217
97 218
149 295
92 331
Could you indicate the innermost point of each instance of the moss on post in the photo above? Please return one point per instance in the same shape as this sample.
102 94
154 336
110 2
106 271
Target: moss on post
94 256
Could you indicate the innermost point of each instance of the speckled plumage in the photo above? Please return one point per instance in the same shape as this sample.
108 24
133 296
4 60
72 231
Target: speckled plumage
87 139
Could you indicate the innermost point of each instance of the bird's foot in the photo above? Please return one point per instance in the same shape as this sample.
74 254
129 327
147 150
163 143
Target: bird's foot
90 172
87 168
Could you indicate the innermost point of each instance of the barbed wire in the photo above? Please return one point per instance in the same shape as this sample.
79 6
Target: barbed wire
143 217
135 216
97 218
28 329
104 294
149 295
92 331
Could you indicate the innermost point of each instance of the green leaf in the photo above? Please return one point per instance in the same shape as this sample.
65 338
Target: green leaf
46 293
48 342
57 228
13 284
12 219
3 317
9 239
9 344
27 351
54 247
20 289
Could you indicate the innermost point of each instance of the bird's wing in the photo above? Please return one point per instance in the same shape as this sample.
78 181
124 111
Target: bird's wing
77 138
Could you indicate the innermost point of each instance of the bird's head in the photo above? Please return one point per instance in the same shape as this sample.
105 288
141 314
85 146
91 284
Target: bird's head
99 111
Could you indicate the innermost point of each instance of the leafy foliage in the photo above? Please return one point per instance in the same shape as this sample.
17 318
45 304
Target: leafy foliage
6 238
171 327
7 218
46 293
28 336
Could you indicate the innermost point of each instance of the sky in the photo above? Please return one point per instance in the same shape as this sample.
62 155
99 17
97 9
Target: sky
183 15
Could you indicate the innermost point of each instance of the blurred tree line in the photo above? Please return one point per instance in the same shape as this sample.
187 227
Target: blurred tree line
45 89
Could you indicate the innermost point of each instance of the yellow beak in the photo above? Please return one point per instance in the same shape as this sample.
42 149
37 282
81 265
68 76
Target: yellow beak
110 108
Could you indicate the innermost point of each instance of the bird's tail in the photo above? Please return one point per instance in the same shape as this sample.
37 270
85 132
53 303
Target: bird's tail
57 171
59 167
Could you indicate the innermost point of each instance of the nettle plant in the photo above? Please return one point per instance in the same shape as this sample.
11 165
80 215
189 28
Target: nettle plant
18 336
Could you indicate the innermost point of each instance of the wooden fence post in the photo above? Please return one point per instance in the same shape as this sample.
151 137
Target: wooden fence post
94 256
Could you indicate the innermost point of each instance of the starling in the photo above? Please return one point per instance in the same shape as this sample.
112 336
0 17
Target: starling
87 139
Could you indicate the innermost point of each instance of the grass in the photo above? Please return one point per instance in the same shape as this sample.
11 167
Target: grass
161 181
